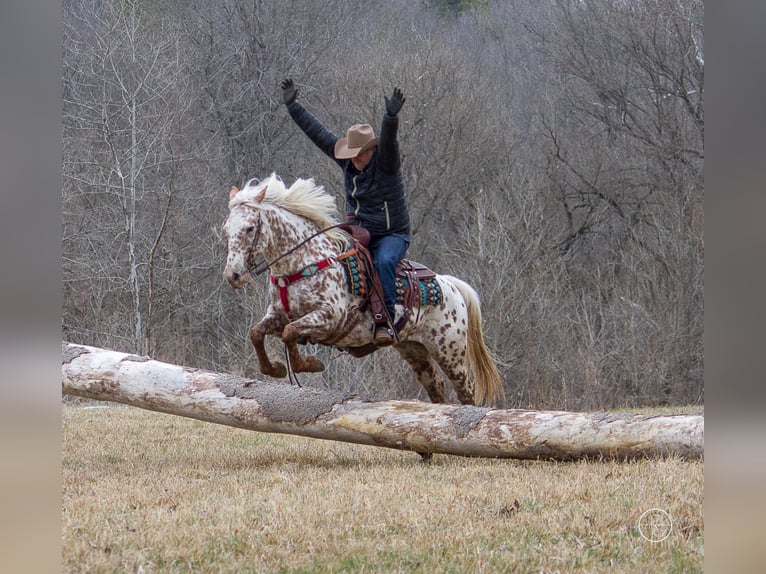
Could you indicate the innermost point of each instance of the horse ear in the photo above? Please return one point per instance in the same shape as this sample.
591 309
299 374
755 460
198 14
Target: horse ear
261 194
233 191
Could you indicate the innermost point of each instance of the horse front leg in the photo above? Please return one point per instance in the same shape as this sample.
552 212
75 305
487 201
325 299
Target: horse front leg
271 324
299 363
314 326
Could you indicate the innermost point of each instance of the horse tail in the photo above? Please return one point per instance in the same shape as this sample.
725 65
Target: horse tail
488 387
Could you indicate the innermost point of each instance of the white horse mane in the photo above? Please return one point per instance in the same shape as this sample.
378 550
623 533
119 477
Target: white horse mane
303 198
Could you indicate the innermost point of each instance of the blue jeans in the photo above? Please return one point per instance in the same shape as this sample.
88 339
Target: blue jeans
386 251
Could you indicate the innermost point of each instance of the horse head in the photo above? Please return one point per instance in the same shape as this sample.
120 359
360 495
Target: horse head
274 224
245 235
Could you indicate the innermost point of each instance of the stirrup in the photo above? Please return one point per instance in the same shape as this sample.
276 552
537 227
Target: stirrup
384 336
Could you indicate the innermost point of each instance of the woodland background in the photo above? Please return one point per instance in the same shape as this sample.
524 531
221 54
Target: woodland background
552 152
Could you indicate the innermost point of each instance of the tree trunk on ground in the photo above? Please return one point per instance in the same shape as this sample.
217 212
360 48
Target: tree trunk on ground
269 406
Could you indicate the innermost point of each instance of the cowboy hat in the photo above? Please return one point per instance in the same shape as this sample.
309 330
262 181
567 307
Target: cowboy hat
359 138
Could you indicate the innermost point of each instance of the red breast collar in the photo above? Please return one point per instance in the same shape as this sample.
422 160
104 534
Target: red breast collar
284 280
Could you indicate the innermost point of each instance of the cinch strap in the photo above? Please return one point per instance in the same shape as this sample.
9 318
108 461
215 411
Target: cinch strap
283 281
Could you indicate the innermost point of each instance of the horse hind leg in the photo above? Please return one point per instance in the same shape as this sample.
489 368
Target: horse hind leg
461 382
453 366
420 361
453 361
465 359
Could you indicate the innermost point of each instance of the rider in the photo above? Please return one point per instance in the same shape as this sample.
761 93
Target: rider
375 197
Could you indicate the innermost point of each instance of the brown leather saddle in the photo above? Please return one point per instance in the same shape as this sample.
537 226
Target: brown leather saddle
364 280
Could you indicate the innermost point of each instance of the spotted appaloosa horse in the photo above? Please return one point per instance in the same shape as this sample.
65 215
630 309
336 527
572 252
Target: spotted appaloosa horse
268 219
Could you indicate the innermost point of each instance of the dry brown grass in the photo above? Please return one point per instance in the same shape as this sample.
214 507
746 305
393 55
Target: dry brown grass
147 492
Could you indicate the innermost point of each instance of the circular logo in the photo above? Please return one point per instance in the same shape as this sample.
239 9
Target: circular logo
655 525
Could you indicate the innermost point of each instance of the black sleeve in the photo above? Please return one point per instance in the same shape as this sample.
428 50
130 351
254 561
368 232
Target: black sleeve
388 145
322 137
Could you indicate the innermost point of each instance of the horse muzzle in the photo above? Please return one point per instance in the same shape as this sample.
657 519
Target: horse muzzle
237 280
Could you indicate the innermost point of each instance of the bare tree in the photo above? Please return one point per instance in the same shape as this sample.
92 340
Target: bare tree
621 131
126 112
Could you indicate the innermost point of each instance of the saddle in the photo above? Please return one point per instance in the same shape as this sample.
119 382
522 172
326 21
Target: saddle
415 281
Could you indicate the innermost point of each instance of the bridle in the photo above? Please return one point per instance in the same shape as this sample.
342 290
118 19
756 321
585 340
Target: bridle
250 263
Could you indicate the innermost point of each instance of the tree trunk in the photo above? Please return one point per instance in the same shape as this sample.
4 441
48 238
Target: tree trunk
269 406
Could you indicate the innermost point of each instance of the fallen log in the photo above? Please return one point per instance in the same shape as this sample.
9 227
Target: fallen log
277 407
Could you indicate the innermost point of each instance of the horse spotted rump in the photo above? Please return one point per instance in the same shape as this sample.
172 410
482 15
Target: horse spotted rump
310 299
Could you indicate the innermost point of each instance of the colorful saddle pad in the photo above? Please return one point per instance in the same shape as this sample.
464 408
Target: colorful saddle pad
358 280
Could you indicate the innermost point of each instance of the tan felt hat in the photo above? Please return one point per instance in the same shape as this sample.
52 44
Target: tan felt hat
359 137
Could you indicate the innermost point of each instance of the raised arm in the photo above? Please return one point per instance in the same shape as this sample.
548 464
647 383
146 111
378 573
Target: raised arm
388 145
316 131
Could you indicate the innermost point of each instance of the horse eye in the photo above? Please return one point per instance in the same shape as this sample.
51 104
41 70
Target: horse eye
249 229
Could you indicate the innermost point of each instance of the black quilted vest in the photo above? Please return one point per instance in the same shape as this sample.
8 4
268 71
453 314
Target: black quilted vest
375 197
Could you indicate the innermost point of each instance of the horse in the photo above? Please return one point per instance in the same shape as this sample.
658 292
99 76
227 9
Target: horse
295 231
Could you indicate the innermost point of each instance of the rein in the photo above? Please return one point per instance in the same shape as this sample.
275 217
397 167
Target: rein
263 266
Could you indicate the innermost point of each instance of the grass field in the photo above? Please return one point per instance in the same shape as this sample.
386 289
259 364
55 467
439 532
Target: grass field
148 492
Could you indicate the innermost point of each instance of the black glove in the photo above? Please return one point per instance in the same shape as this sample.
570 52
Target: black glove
289 91
395 103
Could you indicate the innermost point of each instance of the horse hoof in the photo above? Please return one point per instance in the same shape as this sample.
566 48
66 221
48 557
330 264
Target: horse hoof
277 370
426 457
312 365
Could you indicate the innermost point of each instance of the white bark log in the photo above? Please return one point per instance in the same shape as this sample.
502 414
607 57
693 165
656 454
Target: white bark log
277 407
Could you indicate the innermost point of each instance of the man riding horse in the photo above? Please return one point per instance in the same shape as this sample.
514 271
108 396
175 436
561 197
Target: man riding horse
374 188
